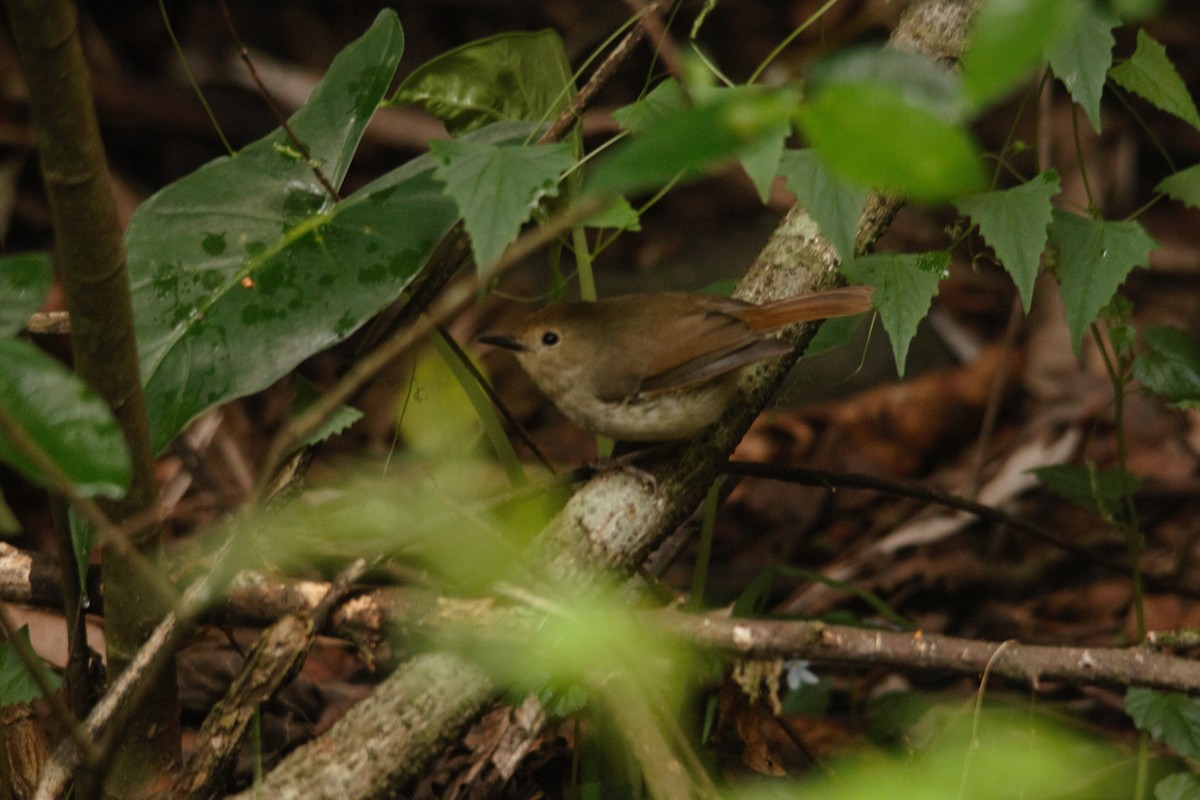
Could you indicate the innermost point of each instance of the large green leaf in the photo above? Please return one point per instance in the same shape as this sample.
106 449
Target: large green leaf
245 267
904 288
1094 257
322 280
24 281
1150 73
1081 56
1014 223
1007 41
507 77
63 417
497 187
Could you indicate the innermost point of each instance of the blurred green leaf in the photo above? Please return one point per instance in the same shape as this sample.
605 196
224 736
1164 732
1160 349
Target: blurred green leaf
663 101
245 267
871 135
1081 56
1172 366
833 202
64 418
1172 718
1137 9
1180 786
9 524
995 756
728 123
904 288
16 684
24 282
448 519
913 79
761 159
1150 73
1008 38
1098 490
1183 186
1015 222
497 187
512 76
1094 258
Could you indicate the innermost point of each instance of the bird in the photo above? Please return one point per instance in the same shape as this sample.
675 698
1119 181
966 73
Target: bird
658 366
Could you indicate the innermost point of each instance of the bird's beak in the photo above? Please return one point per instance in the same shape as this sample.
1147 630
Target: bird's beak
506 341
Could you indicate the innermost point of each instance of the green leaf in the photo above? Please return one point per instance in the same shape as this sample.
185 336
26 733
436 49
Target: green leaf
83 542
729 122
1172 367
513 76
1183 186
9 524
914 78
663 101
1172 718
246 267
1007 41
306 395
1098 490
465 374
1081 56
1180 786
1150 73
1094 258
437 417
1014 222
16 684
497 187
65 418
617 214
834 202
761 159
899 139
904 287
832 334
1132 10
24 282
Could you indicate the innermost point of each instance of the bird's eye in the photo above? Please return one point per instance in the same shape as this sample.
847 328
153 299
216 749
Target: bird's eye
550 338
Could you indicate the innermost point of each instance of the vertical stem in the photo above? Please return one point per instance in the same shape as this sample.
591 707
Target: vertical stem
91 260
1130 525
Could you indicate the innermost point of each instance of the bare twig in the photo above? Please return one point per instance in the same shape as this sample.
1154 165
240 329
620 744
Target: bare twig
599 78
276 111
1031 665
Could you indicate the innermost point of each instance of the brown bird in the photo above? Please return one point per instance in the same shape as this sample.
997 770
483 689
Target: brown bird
658 366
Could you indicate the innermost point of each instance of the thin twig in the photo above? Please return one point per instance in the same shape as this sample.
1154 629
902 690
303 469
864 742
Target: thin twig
599 78
280 117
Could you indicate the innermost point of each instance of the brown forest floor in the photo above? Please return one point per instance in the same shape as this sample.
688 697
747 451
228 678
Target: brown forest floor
988 393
